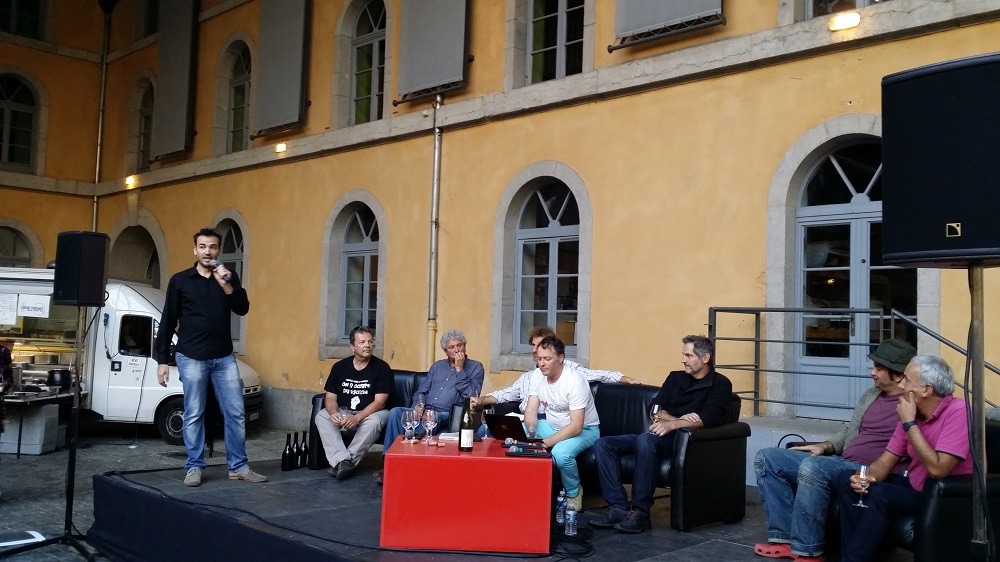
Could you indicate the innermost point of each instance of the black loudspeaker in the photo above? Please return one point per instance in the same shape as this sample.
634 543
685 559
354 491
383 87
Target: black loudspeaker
81 268
941 164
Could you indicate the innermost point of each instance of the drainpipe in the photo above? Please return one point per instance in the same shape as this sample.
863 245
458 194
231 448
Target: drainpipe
107 6
431 348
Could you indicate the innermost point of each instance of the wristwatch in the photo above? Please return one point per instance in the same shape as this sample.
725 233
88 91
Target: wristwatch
908 425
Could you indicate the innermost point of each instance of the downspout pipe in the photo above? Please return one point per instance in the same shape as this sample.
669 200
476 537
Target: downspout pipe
107 6
432 274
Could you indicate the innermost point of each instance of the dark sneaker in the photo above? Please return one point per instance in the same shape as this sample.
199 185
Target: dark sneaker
344 469
247 475
193 477
379 474
612 517
332 471
635 522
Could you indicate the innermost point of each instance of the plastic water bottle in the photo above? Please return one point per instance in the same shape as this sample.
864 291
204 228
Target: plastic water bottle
561 507
570 520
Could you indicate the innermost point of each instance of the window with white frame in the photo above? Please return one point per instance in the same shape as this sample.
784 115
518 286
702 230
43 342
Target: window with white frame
555 39
17 124
548 264
21 17
359 271
231 255
368 65
14 248
819 8
239 102
145 132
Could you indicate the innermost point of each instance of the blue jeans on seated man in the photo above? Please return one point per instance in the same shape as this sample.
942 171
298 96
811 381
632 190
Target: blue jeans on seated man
224 376
796 489
648 449
564 453
394 426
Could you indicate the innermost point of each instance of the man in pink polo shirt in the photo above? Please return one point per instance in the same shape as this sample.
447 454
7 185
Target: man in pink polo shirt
932 431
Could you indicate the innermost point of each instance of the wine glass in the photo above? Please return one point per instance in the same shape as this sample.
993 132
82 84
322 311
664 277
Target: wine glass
409 424
654 413
418 408
862 473
430 422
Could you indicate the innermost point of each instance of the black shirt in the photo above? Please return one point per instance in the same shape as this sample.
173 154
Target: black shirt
709 397
200 311
356 389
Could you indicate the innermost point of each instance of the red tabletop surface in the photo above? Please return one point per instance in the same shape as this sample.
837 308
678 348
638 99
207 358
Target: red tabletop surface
438 498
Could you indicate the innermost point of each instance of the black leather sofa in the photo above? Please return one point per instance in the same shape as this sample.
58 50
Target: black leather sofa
404 383
942 528
707 473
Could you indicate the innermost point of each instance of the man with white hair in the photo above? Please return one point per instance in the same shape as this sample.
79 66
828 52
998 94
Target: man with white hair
933 431
449 382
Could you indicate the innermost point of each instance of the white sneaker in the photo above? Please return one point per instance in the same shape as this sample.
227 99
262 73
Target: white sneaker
193 477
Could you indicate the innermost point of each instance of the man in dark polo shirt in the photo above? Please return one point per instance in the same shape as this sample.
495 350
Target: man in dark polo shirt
199 305
695 397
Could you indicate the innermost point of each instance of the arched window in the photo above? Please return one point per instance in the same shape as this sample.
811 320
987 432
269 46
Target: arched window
145 133
359 271
231 255
14 248
17 124
368 67
239 102
548 264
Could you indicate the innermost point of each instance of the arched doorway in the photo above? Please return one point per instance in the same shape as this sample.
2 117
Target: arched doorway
839 265
134 257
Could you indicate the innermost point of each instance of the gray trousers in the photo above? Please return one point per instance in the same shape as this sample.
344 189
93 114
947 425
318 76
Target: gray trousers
333 442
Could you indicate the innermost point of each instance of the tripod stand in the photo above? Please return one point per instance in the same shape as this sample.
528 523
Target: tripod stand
67 537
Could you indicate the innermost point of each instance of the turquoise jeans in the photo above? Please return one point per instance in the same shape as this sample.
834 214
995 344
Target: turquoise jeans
564 453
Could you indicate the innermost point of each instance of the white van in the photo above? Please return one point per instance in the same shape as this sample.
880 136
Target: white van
119 372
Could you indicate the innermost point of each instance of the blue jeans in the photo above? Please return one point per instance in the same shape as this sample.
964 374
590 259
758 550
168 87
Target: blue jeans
795 489
648 449
862 529
225 379
564 453
394 426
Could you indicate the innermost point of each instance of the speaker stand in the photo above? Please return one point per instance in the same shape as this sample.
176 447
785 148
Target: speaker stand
67 537
980 537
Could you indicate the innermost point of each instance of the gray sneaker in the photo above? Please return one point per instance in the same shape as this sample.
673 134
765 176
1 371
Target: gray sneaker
247 475
193 477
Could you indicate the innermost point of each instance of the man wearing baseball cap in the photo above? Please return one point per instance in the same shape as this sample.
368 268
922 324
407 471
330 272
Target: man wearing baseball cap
795 483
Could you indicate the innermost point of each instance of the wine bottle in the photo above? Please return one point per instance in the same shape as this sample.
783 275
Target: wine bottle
467 430
304 451
286 454
294 461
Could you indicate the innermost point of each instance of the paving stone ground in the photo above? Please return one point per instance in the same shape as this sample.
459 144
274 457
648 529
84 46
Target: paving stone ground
33 487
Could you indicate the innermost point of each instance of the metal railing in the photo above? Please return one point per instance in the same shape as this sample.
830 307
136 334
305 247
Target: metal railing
842 314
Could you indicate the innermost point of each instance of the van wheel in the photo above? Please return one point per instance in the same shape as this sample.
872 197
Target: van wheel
170 421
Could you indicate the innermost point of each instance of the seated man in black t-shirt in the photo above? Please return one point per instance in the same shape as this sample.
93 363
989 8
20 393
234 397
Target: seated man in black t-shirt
698 396
356 394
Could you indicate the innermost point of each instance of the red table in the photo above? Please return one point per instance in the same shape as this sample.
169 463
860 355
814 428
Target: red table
478 501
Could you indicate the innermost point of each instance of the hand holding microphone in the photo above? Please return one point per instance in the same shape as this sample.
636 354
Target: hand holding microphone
225 272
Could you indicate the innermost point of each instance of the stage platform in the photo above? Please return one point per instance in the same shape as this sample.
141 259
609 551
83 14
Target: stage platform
306 515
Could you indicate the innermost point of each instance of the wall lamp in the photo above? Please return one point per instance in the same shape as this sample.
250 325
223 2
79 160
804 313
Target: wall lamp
280 147
130 181
846 20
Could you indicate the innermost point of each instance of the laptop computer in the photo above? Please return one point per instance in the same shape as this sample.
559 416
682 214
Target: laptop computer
502 427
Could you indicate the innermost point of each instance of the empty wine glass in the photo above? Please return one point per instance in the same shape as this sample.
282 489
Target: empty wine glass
430 422
654 413
409 424
862 473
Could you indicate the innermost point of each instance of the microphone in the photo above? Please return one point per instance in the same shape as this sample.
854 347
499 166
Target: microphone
215 265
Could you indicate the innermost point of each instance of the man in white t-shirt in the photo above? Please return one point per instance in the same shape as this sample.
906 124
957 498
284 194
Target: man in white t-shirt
571 423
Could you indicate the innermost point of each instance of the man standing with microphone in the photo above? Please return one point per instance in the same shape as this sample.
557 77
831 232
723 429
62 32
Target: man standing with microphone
199 304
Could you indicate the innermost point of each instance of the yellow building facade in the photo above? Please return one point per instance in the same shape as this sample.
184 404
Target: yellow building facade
613 187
